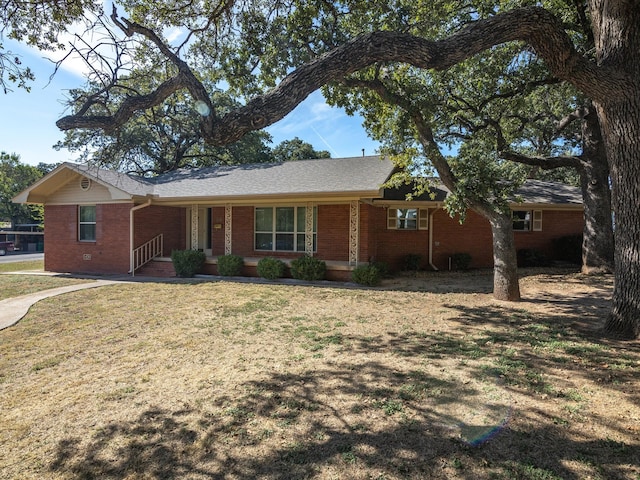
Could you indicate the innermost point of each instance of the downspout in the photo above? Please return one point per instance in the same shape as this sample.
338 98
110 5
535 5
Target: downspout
131 247
431 239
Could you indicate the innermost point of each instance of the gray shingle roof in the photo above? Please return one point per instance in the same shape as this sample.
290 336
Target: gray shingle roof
356 175
326 176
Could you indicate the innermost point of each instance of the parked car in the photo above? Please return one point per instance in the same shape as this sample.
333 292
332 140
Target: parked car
6 247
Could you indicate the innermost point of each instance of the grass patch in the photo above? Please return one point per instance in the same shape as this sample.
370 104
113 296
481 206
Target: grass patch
33 265
156 380
17 285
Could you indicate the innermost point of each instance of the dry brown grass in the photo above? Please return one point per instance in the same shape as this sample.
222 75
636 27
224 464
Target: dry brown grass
228 380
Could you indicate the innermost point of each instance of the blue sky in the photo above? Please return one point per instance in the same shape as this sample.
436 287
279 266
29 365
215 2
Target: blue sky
27 119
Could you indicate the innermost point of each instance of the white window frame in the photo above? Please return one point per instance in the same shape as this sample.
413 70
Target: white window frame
296 229
81 236
394 222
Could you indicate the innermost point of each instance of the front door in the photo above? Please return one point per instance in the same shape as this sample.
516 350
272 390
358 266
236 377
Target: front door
204 230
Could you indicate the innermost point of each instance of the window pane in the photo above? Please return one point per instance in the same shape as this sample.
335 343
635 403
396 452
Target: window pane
300 244
264 241
284 241
408 218
284 219
88 232
264 219
521 220
301 219
87 213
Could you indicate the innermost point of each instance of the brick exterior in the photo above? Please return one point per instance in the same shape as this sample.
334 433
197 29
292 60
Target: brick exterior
108 254
154 220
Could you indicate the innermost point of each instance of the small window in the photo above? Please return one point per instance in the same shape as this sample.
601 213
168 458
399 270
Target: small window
537 220
87 223
405 219
521 220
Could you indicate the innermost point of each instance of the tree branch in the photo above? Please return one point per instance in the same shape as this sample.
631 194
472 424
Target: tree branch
533 25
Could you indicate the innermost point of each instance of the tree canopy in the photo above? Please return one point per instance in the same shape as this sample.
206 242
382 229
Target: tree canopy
253 52
15 176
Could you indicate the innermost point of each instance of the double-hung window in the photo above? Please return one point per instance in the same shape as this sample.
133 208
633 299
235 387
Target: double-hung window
87 223
283 228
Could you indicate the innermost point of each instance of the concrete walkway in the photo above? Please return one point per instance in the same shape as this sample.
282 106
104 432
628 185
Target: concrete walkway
13 309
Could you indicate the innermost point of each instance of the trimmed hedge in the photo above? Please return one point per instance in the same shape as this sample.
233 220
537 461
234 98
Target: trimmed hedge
271 268
368 275
187 262
308 268
230 265
460 261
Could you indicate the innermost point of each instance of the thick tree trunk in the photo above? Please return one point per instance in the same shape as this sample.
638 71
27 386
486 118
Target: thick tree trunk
505 262
598 244
617 39
621 128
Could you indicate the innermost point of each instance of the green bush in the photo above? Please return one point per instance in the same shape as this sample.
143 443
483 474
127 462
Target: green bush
568 249
368 275
530 257
382 267
271 268
411 262
230 265
308 268
187 262
460 261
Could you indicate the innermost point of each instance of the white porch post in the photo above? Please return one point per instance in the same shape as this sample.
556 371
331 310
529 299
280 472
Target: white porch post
354 231
194 227
308 229
227 229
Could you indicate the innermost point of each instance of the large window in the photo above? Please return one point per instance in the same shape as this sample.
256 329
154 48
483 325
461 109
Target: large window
87 223
282 228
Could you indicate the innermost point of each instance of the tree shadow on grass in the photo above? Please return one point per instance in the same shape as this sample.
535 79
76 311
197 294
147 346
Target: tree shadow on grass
345 422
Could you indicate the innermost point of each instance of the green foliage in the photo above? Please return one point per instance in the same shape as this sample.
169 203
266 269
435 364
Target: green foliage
14 178
460 261
308 268
296 149
382 267
271 268
411 262
187 262
568 249
368 275
531 257
230 265
161 139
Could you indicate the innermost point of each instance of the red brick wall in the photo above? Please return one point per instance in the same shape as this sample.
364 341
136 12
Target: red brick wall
392 246
333 232
108 254
154 220
555 224
473 237
449 237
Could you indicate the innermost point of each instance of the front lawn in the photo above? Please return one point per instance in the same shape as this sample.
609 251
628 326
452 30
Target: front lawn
226 380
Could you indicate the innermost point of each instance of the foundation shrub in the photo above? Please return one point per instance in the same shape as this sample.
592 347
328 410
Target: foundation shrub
271 268
187 262
368 275
230 265
460 261
308 268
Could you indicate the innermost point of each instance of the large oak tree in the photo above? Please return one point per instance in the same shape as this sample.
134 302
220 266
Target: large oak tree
609 76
